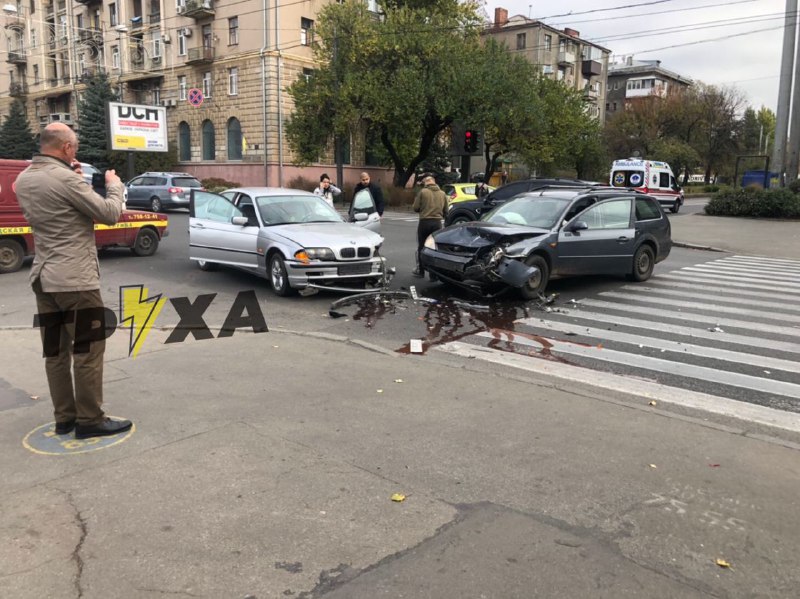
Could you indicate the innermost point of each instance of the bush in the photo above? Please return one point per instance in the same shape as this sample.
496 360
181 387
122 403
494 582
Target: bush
304 183
794 186
756 203
711 188
216 184
399 197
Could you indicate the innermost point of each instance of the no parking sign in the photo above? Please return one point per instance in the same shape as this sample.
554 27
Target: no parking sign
195 97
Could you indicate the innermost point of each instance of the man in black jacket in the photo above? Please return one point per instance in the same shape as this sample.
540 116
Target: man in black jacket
374 190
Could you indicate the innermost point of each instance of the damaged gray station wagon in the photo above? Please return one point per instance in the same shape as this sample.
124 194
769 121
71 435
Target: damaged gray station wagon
551 233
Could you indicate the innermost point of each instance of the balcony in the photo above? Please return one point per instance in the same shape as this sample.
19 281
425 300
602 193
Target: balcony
200 56
137 23
18 56
591 68
197 9
566 58
154 18
89 2
591 95
15 19
49 10
90 35
17 89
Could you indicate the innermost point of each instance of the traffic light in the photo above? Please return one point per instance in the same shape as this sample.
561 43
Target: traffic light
469 141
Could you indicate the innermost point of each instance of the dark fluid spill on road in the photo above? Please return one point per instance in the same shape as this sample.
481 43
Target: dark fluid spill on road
504 340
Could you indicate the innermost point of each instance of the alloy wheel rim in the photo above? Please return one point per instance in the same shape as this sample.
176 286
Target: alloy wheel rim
277 275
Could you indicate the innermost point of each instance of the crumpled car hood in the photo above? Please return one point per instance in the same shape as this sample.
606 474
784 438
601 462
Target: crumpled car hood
330 235
481 234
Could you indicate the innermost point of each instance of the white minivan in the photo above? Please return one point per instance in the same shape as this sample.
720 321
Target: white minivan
651 177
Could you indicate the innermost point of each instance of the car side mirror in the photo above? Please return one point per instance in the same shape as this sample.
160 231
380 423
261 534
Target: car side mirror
579 225
360 216
240 221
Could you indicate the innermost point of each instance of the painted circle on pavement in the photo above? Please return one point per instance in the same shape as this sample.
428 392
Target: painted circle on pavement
195 97
619 179
636 179
44 441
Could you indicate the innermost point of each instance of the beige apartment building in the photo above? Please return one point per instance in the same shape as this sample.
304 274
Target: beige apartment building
239 55
561 54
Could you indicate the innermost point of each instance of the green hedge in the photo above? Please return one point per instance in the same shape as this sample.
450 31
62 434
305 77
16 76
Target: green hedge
758 203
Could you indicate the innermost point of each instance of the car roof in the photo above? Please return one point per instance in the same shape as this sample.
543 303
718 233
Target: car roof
172 174
270 191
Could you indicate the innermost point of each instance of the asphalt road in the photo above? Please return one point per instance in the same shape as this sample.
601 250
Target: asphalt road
698 326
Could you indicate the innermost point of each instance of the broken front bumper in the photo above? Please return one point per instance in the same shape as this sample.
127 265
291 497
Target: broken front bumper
463 270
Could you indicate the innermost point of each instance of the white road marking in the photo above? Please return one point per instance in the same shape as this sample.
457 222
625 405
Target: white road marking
642 289
736 282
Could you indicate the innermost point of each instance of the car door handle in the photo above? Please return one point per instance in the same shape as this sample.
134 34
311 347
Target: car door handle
198 226
623 239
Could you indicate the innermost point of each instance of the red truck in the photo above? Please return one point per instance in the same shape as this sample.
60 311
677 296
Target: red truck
140 231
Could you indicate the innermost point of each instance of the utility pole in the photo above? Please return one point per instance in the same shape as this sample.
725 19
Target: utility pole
337 139
785 90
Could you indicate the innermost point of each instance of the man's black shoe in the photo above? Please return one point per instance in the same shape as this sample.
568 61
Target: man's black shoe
105 428
418 272
62 428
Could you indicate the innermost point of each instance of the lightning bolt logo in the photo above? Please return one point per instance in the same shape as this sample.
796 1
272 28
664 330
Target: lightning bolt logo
139 312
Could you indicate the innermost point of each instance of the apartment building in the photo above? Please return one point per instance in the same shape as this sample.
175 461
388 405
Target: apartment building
241 56
633 79
561 54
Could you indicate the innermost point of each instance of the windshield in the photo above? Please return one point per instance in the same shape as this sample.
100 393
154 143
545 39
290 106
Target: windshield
541 212
282 210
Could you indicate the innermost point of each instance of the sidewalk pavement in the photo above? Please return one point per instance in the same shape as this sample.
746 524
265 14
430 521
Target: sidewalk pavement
263 465
748 236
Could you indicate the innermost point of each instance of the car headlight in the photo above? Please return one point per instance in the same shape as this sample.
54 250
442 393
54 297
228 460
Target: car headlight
309 254
430 243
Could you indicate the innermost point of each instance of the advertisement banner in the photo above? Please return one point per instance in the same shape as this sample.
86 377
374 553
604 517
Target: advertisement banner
137 127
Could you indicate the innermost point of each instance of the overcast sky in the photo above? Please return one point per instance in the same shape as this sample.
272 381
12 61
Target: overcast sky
749 62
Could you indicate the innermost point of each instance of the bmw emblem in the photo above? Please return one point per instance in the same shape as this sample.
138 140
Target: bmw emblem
352 242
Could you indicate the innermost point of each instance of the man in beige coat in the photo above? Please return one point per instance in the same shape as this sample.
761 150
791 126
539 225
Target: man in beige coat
61 208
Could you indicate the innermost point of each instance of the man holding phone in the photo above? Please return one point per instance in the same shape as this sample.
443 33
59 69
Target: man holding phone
62 209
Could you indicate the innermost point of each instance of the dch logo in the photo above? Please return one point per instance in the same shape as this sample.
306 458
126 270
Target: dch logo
138 313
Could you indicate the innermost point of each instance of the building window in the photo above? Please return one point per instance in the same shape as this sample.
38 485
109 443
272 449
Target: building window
562 45
234 139
180 5
306 33
81 64
233 81
115 57
233 31
207 37
182 87
79 21
181 42
307 74
548 43
207 84
36 73
112 14
521 41
614 107
156 46
33 38
208 140
157 96
607 106
184 142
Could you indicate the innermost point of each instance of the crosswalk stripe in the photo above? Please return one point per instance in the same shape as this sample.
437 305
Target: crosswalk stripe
690 270
700 306
677 275
639 388
784 261
724 377
657 282
663 344
682 293
694 333
705 319
754 266
742 272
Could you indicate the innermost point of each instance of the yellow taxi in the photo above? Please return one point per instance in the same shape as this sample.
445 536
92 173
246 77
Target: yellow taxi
460 192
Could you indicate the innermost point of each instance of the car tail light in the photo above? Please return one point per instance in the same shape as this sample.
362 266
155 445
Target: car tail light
176 189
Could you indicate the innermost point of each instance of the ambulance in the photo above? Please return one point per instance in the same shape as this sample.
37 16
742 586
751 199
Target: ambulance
137 230
651 177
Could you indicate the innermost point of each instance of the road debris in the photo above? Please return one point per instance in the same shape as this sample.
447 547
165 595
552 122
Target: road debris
398 380
653 466
653 402
722 563
713 465
380 391
398 497
716 329
415 346
34 397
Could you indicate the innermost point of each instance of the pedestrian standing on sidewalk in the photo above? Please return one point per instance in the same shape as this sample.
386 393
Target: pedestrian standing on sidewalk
374 190
65 278
431 203
326 189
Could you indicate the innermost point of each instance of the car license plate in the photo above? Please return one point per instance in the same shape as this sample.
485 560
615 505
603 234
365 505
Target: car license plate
355 269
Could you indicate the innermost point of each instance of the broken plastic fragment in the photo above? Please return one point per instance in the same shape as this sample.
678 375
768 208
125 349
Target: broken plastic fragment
716 330
652 403
380 391
34 397
722 563
398 380
398 497
653 466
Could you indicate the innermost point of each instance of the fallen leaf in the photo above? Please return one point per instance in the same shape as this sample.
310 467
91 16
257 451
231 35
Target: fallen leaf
398 380
714 465
722 563
652 403
380 390
398 497
34 397
653 466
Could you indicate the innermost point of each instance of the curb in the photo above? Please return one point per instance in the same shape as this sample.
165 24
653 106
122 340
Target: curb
694 246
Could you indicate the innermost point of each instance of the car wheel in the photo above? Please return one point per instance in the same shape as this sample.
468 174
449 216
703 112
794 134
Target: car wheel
461 218
643 263
12 254
278 276
155 204
675 207
146 243
537 283
206 265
